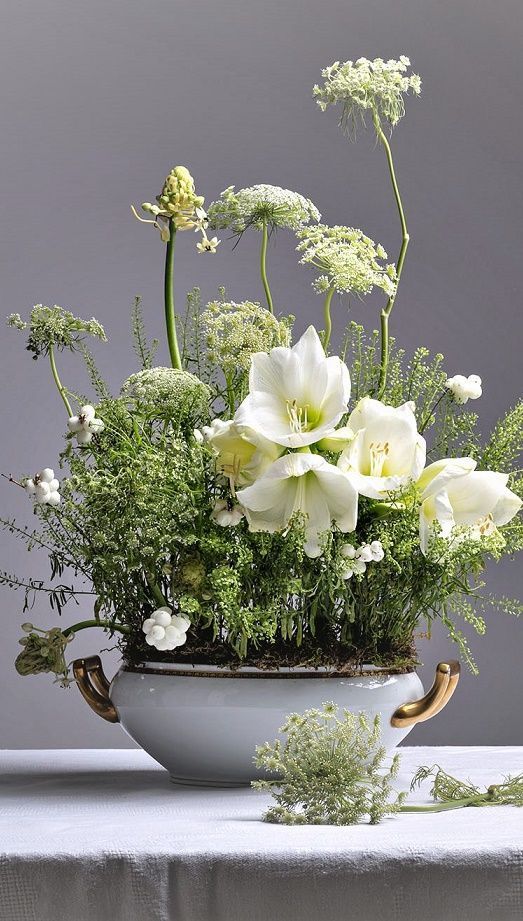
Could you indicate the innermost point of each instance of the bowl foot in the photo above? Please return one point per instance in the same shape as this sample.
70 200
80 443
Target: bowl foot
192 782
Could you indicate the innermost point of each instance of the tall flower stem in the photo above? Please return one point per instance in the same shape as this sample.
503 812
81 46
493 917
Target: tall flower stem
170 315
387 310
263 267
84 624
58 382
327 318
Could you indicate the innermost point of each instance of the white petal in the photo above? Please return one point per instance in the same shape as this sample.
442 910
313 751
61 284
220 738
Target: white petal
88 411
46 475
506 507
148 624
54 498
54 485
162 616
30 486
180 622
83 437
74 424
476 495
437 475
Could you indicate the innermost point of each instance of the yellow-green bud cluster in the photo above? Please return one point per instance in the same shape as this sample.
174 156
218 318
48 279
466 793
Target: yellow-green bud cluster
178 199
233 332
42 652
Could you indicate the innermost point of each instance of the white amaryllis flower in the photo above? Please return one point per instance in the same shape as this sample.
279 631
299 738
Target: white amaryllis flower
241 453
303 483
297 395
464 388
454 494
165 630
44 487
386 452
85 425
227 513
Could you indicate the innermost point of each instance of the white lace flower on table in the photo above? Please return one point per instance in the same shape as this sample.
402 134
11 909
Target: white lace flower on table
464 388
386 452
297 395
44 487
165 630
85 425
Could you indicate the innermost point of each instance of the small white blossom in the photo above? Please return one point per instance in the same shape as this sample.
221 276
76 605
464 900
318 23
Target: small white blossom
207 246
199 436
226 513
85 425
44 487
464 388
165 630
357 558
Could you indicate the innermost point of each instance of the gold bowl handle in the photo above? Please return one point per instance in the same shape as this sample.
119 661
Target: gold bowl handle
417 711
94 687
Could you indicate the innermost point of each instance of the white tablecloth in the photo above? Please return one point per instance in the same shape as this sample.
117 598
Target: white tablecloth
103 835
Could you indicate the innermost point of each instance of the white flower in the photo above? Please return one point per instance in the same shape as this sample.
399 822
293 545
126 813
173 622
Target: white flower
165 630
306 484
85 425
207 246
198 436
44 487
297 395
227 513
386 451
357 558
464 388
347 260
261 204
454 494
241 453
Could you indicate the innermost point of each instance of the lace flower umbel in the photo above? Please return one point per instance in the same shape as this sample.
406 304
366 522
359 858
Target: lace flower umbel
364 86
348 261
259 205
169 393
234 332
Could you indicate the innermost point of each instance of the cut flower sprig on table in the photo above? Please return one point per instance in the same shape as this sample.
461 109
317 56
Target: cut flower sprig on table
263 500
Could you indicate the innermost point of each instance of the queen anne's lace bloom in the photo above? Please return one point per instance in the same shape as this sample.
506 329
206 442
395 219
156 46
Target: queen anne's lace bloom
261 204
165 630
234 332
44 487
364 86
172 394
348 261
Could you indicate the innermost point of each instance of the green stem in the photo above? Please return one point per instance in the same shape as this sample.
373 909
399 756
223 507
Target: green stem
263 266
327 318
155 589
58 382
444 807
84 624
170 315
387 310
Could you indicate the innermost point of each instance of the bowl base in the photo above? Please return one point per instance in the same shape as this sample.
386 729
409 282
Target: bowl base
225 784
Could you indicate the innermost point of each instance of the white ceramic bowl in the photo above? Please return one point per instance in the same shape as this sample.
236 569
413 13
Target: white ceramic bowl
203 723
203 726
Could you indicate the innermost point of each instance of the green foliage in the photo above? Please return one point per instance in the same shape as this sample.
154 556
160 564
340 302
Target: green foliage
450 791
331 770
144 352
53 327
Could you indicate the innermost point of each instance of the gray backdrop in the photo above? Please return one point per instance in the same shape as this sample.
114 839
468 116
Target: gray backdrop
100 98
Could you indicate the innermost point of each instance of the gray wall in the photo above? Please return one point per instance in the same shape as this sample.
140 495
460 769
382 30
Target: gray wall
100 98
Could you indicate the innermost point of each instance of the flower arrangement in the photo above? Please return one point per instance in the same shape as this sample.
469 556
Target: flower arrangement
264 501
